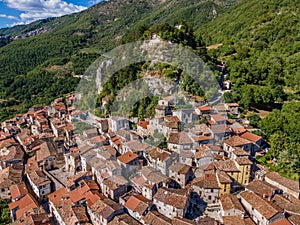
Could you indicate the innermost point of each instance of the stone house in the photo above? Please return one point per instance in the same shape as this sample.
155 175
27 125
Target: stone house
181 173
260 211
172 202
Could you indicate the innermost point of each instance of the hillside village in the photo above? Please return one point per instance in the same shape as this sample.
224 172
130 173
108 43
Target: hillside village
202 171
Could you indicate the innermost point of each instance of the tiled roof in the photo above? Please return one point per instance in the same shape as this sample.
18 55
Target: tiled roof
233 104
127 157
18 190
205 108
262 188
209 181
37 176
179 138
47 149
223 178
10 176
237 141
295 219
135 145
156 218
218 117
152 175
240 152
24 204
182 221
263 207
137 204
56 196
123 219
175 197
293 185
180 168
243 161
226 166
171 122
115 182
285 204
282 222
158 153
233 220
11 152
143 124
105 207
230 201
251 137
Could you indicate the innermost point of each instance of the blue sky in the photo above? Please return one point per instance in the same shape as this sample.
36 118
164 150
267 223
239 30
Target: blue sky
14 12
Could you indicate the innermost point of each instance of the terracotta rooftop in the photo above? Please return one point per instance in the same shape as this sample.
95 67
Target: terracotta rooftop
56 196
209 181
115 182
262 188
37 176
233 104
135 145
205 108
282 222
143 124
226 166
23 205
105 207
233 220
123 219
47 149
127 157
237 141
158 153
286 204
263 207
240 152
230 201
179 138
137 203
293 185
218 118
9 177
223 178
294 219
251 137
18 190
182 221
180 168
171 122
11 152
152 175
243 161
175 197
156 218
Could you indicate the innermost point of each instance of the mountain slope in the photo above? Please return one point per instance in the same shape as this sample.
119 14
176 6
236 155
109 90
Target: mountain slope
35 70
261 44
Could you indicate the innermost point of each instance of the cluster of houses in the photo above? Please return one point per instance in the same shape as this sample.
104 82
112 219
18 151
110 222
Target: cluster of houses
54 170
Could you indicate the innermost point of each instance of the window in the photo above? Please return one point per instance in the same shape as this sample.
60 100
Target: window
211 190
209 197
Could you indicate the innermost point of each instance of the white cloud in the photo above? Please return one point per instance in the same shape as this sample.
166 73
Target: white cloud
40 9
8 17
93 2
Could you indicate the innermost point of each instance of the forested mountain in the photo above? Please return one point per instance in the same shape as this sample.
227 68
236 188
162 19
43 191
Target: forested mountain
35 70
258 39
261 44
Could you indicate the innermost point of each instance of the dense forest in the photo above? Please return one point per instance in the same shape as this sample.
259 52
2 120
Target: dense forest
261 45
